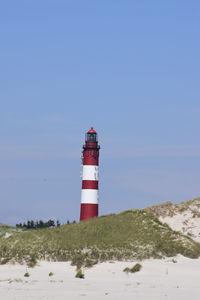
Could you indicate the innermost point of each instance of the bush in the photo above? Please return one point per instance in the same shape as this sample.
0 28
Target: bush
127 270
51 274
32 261
78 260
4 261
26 274
134 269
80 274
90 263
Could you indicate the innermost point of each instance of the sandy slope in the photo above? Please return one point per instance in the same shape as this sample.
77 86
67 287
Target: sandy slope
183 217
158 279
185 223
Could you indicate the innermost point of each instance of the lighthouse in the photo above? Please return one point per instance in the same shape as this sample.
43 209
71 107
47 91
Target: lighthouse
90 181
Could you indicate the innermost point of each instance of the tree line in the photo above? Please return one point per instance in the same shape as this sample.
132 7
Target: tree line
30 224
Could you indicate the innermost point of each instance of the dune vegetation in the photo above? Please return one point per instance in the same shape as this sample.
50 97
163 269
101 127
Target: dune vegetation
6 230
133 234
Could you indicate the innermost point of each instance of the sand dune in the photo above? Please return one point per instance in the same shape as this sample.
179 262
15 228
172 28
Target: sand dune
158 279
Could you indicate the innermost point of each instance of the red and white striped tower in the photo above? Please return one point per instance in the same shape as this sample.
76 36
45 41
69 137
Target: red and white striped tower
89 192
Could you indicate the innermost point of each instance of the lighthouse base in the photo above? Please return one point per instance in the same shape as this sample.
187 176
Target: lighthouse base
88 211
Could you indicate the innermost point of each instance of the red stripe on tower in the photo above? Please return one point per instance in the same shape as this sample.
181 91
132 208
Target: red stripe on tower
89 192
90 184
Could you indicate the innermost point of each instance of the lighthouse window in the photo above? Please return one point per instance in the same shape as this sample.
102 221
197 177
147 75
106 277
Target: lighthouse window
91 137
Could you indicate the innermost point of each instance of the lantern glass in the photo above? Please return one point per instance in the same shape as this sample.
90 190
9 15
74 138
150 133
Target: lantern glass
91 137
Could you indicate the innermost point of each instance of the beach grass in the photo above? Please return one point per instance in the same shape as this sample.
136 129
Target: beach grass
133 234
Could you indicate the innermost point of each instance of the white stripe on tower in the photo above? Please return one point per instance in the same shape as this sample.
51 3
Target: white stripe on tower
89 196
90 172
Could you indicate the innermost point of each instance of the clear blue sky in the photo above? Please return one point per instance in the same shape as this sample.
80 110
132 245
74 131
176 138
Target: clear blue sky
129 68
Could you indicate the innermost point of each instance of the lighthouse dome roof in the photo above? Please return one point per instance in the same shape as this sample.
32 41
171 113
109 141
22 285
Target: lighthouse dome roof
91 130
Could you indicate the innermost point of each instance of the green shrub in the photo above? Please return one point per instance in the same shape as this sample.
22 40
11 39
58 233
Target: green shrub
51 274
90 263
127 270
4 261
26 274
32 261
80 274
134 269
78 260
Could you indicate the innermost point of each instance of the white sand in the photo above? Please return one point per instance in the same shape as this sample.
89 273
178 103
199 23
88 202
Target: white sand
158 279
